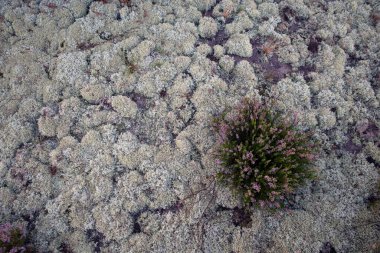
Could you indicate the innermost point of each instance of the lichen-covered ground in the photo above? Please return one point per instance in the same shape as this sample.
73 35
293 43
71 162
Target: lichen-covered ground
105 111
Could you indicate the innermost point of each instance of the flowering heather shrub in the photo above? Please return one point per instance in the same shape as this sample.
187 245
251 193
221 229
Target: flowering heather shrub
261 155
12 239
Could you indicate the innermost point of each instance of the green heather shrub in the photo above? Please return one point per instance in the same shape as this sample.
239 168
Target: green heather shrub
12 239
262 155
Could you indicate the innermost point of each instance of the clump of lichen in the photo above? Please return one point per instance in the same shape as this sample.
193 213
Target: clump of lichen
261 154
13 239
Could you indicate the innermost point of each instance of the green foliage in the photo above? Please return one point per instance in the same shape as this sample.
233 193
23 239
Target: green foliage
12 239
261 155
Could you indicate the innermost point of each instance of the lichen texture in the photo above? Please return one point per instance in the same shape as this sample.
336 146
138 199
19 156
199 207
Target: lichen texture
106 135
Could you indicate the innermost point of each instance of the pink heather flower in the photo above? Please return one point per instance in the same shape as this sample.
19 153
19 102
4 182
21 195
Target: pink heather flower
232 117
249 155
271 185
5 231
286 187
295 119
280 145
256 187
266 147
5 227
247 168
223 130
308 156
273 130
5 237
273 170
267 178
17 250
289 137
290 152
261 203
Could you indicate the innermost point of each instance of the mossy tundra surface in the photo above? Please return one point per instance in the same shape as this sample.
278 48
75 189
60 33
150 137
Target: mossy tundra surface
106 142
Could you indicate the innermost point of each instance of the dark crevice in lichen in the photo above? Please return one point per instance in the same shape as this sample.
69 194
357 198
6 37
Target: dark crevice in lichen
65 248
220 38
314 44
208 11
141 101
373 161
96 237
176 207
327 248
241 218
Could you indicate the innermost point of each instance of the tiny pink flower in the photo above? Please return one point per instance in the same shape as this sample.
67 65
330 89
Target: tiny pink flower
249 155
256 186
295 119
17 250
273 170
290 152
310 157
223 130
5 237
246 169
5 231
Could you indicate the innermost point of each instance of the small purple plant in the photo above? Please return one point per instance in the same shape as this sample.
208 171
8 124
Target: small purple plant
12 239
261 155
